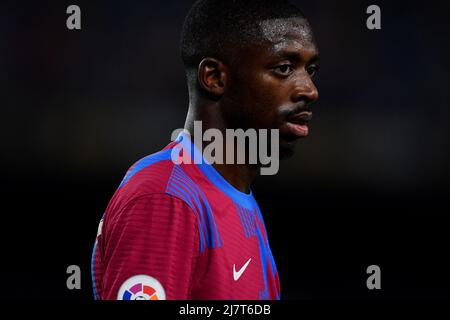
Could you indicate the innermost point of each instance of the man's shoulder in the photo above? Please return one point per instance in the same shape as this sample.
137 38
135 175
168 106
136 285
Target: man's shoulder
146 190
147 176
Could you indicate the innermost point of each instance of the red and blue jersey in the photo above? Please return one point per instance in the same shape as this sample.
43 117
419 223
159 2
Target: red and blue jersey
181 231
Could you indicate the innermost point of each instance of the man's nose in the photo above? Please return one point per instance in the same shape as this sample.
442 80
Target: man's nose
305 90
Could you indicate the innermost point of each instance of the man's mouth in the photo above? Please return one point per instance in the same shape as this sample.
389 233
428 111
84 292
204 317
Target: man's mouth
297 124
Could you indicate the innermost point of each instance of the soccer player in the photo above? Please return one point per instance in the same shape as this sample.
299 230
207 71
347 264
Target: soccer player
194 231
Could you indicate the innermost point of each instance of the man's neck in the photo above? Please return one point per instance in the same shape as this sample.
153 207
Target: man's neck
239 176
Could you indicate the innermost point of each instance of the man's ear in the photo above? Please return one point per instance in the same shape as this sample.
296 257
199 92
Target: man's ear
213 76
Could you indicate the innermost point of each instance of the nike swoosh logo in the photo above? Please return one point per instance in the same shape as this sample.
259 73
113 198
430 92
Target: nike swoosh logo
237 275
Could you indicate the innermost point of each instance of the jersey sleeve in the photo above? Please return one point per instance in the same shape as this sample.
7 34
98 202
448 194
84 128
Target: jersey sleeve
155 236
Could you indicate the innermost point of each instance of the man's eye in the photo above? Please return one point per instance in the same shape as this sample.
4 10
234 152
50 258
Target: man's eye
312 70
284 69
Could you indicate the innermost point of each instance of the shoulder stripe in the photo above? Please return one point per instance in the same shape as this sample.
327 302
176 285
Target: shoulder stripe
181 185
177 191
146 162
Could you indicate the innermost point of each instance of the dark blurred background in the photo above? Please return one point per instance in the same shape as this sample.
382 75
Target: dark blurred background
369 186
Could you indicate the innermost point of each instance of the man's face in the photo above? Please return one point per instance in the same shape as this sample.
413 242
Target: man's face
271 85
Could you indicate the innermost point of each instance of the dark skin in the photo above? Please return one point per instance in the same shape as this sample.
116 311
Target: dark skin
269 86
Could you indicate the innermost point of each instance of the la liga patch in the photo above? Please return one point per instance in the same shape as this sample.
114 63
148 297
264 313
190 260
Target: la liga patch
141 287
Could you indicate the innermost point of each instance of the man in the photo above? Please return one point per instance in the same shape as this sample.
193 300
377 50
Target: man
194 231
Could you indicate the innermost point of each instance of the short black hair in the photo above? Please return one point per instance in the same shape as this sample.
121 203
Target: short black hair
216 28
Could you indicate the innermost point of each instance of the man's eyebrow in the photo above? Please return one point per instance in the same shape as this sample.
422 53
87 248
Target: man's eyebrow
296 56
314 58
288 54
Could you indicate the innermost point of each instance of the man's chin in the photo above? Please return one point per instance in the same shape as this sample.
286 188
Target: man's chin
287 149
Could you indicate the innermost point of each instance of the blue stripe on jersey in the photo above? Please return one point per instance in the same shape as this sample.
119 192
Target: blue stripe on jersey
94 287
270 256
239 211
247 218
94 252
182 183
182 186
265 254
250 216
145 162
175 190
